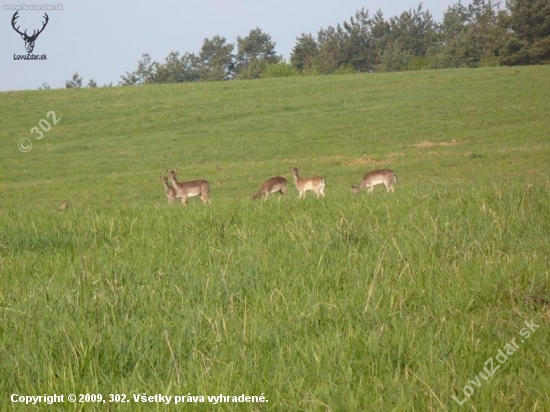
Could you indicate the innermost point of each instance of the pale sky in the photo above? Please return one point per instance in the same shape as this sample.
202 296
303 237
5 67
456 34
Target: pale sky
104 39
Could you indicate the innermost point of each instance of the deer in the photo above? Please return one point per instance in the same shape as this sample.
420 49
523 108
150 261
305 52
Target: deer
169 190
376 177
63 205
317 183
189 189
29 40
273 185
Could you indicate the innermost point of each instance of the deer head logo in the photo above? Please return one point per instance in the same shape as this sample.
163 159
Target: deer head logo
29 40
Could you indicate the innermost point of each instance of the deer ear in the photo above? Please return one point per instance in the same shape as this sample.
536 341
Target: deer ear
23 36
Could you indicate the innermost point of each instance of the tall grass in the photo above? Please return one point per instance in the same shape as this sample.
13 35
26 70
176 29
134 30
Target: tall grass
380 302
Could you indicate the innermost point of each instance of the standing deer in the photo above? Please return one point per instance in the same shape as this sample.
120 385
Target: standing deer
29 40
169 190
376 177
189 189
317 184
275 184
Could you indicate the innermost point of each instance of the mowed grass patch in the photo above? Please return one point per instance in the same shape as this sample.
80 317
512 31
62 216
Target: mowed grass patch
384 302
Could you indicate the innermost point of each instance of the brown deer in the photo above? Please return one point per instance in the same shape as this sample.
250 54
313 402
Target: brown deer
64 205
169 190
377 177
189 189
273 185
317 184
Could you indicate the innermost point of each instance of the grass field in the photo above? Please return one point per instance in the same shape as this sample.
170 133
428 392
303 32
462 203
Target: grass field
348 303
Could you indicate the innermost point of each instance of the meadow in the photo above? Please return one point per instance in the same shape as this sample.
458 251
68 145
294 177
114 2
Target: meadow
348 303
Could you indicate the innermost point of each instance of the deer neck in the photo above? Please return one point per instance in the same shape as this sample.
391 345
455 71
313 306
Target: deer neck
174 181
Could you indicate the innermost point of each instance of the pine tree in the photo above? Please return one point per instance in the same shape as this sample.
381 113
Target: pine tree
254 53
216 59
304 54
74 83
528 22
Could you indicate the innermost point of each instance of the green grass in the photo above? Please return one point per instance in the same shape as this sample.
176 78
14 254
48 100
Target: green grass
380 302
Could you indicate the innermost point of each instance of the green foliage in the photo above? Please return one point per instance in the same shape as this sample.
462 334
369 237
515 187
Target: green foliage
373 302
177 69
253 69
367 43
413 31
419 63
254 53
394 57
74 83
304 53
345 69
472 36
282 69
359 43
145 72
529 24
216 59
469 36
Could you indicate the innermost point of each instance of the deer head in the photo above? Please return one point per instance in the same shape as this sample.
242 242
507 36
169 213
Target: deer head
29 40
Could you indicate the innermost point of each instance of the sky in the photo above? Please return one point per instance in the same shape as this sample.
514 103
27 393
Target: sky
102 40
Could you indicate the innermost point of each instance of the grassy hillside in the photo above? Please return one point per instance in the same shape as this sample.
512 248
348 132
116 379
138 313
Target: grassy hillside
111 144
380 302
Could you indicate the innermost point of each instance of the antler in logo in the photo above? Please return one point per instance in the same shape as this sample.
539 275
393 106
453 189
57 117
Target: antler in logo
29 40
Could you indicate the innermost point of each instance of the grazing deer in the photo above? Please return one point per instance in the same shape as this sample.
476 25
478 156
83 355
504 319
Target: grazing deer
169 190
317 184
275 184
64 205
376 177
189 189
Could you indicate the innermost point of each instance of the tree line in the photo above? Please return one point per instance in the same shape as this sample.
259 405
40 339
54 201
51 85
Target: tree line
216 61
474 35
